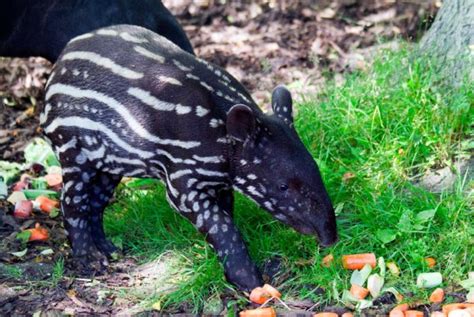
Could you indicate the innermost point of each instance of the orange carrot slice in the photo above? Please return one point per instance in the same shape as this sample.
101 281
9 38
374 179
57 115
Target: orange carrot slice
413 313
23 209
46 204
271 290
347 315
326 314
437 296
402 307
259 295
359 292
449 307
430 262
357 261
438 314
38 233
396 313
259 312
54 179
327 260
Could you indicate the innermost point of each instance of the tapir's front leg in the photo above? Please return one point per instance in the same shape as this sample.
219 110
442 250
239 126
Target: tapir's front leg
210 212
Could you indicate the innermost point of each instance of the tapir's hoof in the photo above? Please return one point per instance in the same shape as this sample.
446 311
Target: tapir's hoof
108 249
92 264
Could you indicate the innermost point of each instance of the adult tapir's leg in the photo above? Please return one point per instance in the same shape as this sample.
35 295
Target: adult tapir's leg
211 215
101 191
75 205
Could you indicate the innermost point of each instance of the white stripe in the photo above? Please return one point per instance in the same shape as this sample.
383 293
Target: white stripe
44 114
69 170
191 76
180 173
254 191
143 51
69 145
175 159
113 158
209 159
170 80
107 32
156 103
181 66
120 109
82 37
96 154
202 185
136 172
103 62
206 86
84 123
130 38
210 173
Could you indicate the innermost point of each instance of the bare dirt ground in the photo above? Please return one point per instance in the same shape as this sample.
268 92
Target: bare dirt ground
262 44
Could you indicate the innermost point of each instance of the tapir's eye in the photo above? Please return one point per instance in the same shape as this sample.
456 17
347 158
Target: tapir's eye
283 187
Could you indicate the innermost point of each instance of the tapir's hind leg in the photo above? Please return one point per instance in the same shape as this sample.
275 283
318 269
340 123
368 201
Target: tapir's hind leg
76 207
101 192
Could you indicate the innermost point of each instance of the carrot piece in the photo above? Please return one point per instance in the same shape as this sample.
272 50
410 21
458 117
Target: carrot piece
327 260
271 290
347 315
437 314
54 179
325 314
437 296
396 313
357 261
23 209
38 233
259 295
259 312
413 313
403 307
430 262
449 307
46 204
359 292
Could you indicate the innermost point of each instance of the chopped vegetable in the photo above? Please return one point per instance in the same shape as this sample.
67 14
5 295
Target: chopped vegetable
374 284
33 193
54 180
38 233
393 268
470 296
23 209
413 313
403 307
437 296
429 280
438 314
259 312
259 295
359 292
450 307
46 204
19 186
347 315
327 260
430 262
272 291
360 276
325 315
357 261
459 313
16 197
396 313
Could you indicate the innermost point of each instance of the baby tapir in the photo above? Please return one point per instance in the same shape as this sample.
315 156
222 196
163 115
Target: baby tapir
124 101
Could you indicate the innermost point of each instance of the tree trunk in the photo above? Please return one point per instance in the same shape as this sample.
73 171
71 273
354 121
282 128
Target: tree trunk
450 40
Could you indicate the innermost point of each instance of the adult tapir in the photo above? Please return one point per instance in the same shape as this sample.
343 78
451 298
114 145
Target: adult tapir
43 27
124 101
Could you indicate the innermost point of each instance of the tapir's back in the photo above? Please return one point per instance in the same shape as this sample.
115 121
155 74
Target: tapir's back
140 88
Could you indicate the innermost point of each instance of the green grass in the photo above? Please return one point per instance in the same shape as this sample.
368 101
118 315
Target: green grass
387 125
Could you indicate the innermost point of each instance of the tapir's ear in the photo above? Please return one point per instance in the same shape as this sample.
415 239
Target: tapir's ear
240 122
282 104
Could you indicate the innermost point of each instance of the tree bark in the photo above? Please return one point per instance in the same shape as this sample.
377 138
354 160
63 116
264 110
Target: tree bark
450 40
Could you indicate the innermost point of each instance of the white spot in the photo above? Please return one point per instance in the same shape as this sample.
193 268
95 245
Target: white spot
170 80
130 38
195 206
71 144
201 111
251 176
214 123
214 229
224 228
181 66
73 222
199 221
